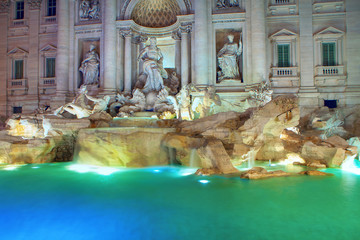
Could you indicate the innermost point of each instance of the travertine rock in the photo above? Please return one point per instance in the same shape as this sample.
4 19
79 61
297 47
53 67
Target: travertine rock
127 147
224 119
330 156
315 173
215 156
259 173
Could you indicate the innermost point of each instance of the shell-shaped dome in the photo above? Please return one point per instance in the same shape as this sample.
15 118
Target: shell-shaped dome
155 13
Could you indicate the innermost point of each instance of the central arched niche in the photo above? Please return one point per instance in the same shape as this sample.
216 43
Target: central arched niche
155 13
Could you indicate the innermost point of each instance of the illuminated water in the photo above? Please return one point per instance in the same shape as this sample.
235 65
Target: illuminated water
52 202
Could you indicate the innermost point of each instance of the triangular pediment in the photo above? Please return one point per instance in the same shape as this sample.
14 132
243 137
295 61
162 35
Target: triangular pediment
17 50
48 48
330 31
283 33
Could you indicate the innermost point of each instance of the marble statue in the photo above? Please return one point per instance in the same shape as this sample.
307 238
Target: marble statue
184 102
130 105
262 94
165 103
90 67
172 83
228 59
79 106
152 67
210 98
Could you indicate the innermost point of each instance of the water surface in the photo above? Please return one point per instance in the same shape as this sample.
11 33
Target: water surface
67 201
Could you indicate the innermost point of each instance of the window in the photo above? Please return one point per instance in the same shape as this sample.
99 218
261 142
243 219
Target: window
330 103
50 67
19 10
328 51
283 55
51 7
17 109
18 71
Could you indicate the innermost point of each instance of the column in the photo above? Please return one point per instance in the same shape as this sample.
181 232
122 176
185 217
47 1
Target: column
62 54
120 63
308 95
185 30
110 48
201 49
176 37
258 49
4 12
127 63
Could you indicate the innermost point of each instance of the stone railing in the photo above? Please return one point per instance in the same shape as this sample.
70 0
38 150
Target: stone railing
50 20
284 71
47 82
329 70
18 23
17 83
282 2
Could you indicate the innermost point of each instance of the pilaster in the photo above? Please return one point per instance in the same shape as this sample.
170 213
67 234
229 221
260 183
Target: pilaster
258 46
308 94
33 68
62 55
127 34
4 11
177 38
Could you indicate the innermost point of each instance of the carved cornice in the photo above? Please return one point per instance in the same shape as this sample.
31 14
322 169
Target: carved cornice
4 6
34 4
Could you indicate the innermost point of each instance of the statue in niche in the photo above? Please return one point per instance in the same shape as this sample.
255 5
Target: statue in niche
89 10
228 59
153 73
90 67
227 3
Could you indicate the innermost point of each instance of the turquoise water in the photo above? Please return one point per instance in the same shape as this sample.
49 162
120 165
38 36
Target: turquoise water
65 201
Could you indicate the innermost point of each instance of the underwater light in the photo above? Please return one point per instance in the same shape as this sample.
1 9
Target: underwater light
35 167
156 170
95 169
10 168
203 181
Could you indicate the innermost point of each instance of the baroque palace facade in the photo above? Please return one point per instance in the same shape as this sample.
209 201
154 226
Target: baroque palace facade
310 48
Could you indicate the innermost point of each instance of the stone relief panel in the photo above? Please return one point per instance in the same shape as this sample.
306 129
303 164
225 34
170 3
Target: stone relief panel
229 50
4 6
34 4
227 3
89 10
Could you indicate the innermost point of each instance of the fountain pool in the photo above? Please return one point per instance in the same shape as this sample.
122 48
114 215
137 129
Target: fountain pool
69 201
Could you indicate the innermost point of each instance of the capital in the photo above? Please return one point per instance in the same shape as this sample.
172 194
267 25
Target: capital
186 28
126 33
